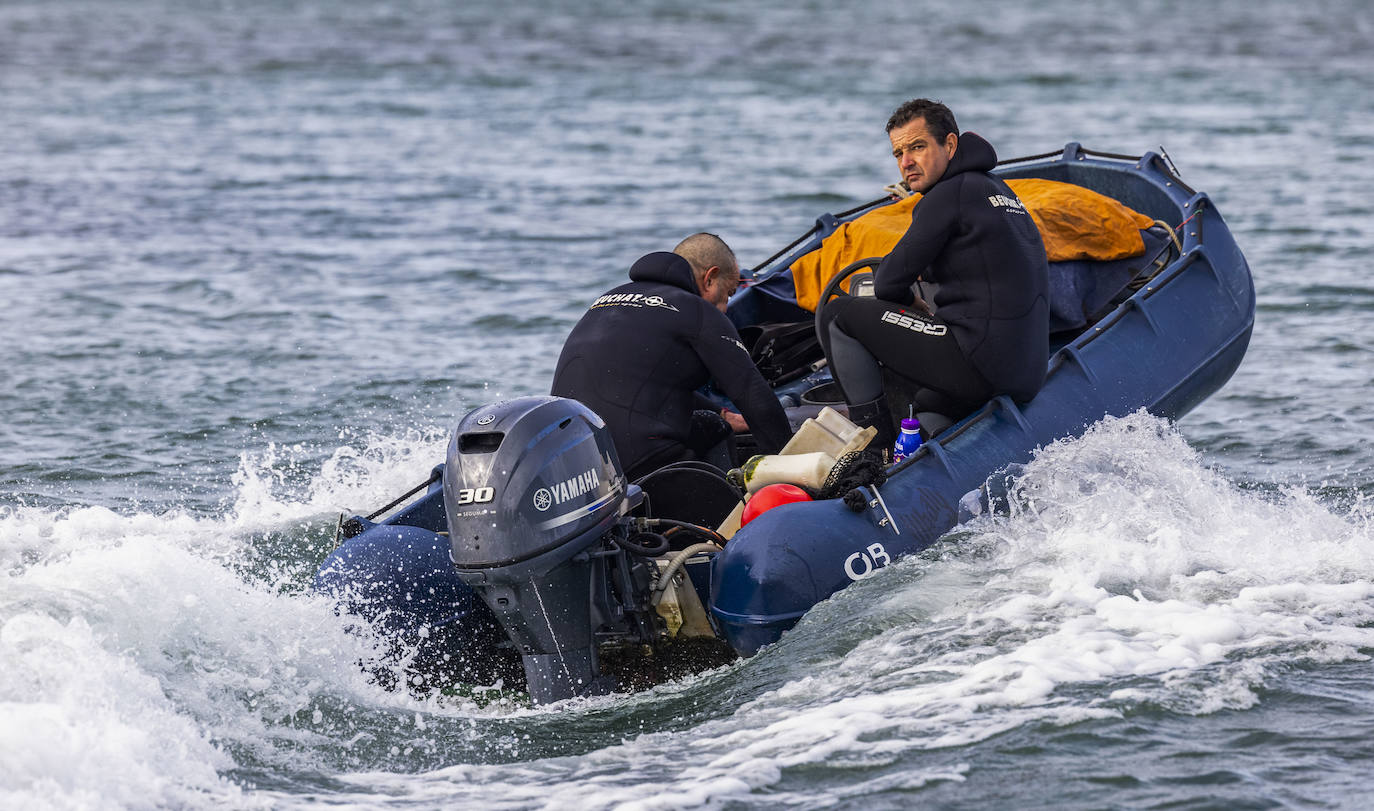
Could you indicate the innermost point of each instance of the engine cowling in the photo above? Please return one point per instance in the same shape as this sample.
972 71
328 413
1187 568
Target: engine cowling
530 487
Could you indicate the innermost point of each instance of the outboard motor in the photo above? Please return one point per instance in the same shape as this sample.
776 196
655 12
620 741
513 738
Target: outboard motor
536 502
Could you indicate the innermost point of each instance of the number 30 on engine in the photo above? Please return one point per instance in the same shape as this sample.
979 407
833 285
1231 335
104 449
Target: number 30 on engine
478 495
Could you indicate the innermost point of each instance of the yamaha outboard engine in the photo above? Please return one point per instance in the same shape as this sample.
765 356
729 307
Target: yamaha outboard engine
535 498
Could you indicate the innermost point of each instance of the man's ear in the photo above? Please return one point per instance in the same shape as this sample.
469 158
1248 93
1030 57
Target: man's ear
710 277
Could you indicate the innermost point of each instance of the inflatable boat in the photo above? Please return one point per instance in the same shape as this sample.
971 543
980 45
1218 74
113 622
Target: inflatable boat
527 553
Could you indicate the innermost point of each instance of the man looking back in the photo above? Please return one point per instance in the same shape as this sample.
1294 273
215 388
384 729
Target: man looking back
988 333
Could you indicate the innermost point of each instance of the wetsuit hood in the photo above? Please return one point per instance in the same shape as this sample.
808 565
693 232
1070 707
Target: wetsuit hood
667 268
974 154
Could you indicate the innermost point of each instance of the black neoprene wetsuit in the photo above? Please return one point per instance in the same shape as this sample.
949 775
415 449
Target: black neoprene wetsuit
989 335
642 350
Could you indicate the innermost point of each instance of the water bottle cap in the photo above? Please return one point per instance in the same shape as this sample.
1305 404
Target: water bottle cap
911 424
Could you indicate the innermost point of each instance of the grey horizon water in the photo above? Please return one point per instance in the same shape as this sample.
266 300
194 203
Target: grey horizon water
259 257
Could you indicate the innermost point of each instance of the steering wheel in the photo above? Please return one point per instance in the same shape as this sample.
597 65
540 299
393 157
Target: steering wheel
832 287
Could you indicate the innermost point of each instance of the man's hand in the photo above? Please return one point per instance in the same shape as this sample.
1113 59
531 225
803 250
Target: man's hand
736 421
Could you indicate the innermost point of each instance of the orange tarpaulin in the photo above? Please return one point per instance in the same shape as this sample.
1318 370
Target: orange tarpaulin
1074 222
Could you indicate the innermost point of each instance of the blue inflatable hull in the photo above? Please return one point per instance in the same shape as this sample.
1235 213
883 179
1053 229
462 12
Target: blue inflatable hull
1166 349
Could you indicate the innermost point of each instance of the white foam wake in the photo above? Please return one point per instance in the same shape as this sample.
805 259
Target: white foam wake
1126 574
144 656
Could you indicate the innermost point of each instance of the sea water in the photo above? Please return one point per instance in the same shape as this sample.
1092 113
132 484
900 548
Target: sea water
258 258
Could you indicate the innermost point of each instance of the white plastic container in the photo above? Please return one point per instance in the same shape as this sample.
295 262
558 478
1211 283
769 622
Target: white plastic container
808 469
829 433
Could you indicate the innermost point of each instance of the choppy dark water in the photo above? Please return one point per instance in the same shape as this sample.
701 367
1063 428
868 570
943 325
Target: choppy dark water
258 257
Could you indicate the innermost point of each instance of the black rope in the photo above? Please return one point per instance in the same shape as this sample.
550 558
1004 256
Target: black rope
794 243
855 501
869 204
1024 158
1161 261
1082 151
433 477
861 468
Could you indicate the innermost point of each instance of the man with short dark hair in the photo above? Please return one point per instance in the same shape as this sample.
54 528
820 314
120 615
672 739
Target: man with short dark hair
641 351
988 333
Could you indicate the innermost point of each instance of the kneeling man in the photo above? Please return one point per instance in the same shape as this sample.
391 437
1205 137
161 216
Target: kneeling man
641 351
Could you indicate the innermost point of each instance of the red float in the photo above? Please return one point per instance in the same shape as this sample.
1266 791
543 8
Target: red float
769 497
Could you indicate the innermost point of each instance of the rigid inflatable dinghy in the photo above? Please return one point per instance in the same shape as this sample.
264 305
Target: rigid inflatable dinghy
529 554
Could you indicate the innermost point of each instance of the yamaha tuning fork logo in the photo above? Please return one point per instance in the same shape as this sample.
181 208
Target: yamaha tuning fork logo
581 484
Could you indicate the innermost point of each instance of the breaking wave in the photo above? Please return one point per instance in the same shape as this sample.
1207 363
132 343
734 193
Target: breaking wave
167 659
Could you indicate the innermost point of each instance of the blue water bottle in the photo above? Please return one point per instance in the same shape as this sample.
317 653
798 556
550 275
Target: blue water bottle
907 441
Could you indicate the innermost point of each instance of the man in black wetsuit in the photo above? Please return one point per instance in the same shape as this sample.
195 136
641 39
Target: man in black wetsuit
642 350
988 333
